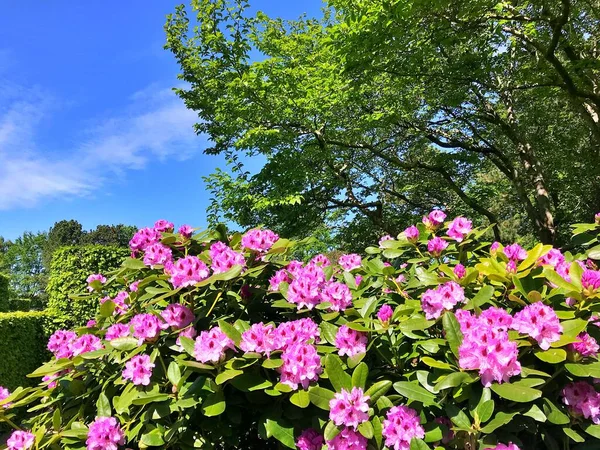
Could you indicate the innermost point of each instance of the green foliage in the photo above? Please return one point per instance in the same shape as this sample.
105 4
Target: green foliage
240 401
70 268
380 110
4 292
22 347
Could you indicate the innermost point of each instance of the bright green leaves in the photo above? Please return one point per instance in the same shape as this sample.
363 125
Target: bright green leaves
337 376
359 376
230 331
320 397
452 330
516 392
412 391
214 404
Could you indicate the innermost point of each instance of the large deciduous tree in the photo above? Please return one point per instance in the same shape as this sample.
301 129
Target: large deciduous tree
378 111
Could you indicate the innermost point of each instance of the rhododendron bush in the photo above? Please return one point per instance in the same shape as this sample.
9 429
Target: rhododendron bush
436 339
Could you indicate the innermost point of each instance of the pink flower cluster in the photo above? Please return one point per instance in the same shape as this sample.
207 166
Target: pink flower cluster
95 277
60 343
582 399
157 254
164 226
177 316
224 258
337 294
259 240
400 426
299 331
350 342
350 261
301 365
20 440
385 313
104 433
4 394
590 280
434 219
540 322
586 346
139 370
460 271
349 408
443 298
186 231
187 271
320 260
348 439
143 238
146 327
459 228
117 330
211 345
259 338
310 439
509 446
556 259
436 246
412 234
486 346
86 343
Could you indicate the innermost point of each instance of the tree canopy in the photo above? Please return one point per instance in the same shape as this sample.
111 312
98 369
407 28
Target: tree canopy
374 113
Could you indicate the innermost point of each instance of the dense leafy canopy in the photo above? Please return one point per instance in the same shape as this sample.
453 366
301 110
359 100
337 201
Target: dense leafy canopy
377 111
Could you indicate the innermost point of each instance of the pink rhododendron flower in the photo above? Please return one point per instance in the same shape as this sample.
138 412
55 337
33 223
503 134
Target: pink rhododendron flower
587 345
4 394
186 231
211 345
350 261
460 271
224 258
143 238
95 277
445 297
348 439
540 322
139 370
281 276
310 439
515 252
337 294
296 332
20 440
582 399
117 330
494 247
320 260
459 228
90 323
436 246
301 365
552 258
385 313
177 316
412 234
86 343
60 343
259 338
187 271
496 318
157 254
304 291
164 226
597 218
133 287
400 426
349 408
590 280
358 279
146 327
350 342
434 219
387 237
509 446
259 240
448 435
105 434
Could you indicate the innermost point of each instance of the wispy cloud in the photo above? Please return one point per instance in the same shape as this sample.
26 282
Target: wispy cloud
155 125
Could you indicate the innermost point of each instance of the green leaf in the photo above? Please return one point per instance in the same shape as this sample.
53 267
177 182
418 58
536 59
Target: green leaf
574 435
499 420
231 332
377 431
584 370
103 406
366 429
281 431
337 376
553 413
249 382
535 413
377 390
214 405
134 264
413 391
592 430
320 397
331 431
272 363
484 410
328 331
124 343
300 398
453 380
452 329
552 355
418 444
435 363
359 376
188 345
484 294
458 417
153 439
228 375
516 393
174 373
573 327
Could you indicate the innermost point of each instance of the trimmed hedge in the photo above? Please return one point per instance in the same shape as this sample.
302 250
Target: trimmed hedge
22 347
68 273
3 292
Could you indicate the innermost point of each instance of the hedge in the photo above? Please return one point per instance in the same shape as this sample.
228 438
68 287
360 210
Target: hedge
3 292
68 273
22 347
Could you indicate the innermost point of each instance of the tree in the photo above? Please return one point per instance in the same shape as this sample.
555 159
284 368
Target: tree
379 111
117 235
61 234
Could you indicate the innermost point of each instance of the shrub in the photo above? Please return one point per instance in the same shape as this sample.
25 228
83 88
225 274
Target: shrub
435 340
22 347
68 273
4 297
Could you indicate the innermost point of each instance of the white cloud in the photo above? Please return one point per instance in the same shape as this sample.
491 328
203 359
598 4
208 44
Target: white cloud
155 125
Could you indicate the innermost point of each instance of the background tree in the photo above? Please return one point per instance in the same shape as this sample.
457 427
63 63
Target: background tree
61 234
379 111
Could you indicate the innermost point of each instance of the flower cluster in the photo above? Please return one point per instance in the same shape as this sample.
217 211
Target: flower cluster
350 342
95 277
348 439
259 240
60 343
144 238
120 302
434 219
259 338
540 322
105 434
349 408
582 399
20 440
586 346
86 343
187 271
211 345
459 228
177 316
400 426
443 298
139 370
224 257
301 365
146 327
412 234
4 394
117 330
309 439
385 313
590 281
350 262
436 246
157 254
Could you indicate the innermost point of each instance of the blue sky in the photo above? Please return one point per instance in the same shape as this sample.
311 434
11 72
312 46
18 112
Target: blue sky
89 127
